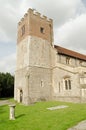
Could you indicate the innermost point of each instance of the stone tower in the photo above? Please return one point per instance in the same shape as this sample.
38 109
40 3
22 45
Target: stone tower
33 76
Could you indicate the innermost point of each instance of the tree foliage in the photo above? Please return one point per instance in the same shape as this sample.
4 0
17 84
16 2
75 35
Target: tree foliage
6 85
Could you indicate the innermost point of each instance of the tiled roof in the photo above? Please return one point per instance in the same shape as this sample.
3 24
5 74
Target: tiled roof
71 53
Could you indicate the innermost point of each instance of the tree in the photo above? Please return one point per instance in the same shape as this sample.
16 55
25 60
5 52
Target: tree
6 85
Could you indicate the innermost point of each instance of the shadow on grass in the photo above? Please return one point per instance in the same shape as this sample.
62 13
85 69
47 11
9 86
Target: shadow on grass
20 116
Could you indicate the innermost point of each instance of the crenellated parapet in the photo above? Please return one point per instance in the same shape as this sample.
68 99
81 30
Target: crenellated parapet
37 14
35 24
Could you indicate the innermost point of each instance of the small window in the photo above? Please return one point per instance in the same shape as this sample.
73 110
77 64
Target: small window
59 87
80 62
67 60
23 30
42 83
41 29
60 58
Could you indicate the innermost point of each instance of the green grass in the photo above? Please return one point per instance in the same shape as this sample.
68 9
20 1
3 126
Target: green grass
37 117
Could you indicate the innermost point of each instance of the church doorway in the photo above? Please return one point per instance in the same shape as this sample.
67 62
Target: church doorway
21 95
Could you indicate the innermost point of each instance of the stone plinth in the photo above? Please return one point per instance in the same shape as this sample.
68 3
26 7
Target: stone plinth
12 111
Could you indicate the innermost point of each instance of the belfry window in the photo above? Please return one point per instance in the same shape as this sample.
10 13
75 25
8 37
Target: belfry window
23 30
41 29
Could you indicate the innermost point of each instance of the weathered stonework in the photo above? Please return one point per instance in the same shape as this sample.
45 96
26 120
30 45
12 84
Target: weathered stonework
42 73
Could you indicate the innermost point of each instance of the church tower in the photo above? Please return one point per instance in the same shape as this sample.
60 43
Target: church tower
33 76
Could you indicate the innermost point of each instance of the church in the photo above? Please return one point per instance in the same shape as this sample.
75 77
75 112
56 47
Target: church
45 71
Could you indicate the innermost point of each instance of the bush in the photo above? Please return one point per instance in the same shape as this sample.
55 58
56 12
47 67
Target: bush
6 85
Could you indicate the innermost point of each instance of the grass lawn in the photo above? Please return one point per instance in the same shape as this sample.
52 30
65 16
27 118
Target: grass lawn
37 117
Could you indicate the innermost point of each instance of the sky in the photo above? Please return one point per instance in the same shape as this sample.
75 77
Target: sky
69 21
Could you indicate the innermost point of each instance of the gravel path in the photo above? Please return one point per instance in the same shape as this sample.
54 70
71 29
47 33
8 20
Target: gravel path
4 102
80 126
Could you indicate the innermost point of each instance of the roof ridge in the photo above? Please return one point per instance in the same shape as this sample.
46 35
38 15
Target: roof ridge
65 51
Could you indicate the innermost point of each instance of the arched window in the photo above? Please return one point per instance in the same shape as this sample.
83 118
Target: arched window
67 83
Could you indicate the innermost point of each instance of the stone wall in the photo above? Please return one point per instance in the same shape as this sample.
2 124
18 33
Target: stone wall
33 74
23 53
21 84
36 84
59 88
40 84
39 52
72 61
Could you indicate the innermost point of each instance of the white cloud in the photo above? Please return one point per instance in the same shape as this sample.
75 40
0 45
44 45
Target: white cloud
69 18
7 64
12 10
59 10
72 33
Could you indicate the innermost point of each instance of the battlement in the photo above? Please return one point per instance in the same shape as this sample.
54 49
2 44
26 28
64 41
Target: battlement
35 24
34 12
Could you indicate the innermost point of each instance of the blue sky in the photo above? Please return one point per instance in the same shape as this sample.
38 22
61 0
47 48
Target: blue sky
69 17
